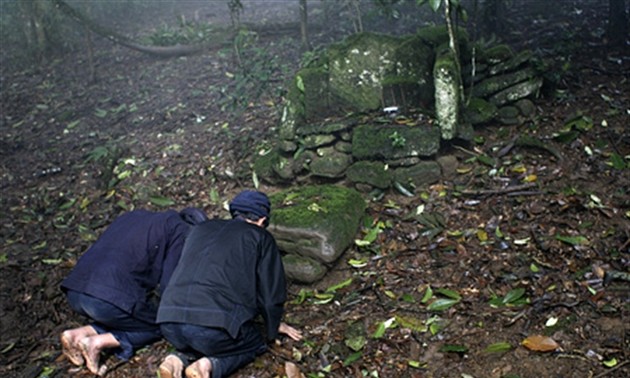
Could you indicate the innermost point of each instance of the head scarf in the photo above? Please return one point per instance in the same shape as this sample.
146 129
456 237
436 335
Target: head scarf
252 202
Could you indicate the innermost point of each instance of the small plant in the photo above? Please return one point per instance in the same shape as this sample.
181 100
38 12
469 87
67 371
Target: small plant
185 34
398 141
515 297
107 158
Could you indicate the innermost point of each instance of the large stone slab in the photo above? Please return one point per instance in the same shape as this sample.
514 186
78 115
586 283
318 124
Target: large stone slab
375 142
316 221
356 68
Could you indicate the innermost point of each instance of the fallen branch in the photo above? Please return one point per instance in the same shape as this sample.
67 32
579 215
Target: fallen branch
509 190
612 369
158 51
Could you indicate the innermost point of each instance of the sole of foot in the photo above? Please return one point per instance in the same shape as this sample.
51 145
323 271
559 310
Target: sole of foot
70 349
171 367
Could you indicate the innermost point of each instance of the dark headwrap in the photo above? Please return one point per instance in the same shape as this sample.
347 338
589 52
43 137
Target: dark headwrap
252 202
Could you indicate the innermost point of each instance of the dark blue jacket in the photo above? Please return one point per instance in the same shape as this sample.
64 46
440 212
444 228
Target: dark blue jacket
229 273
134 257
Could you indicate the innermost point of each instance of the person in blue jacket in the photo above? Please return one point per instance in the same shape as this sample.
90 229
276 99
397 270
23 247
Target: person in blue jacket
229 273
117 280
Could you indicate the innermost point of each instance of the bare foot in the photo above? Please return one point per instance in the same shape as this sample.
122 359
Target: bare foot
91 348
171 367
199 369
91 354
70 343
70 348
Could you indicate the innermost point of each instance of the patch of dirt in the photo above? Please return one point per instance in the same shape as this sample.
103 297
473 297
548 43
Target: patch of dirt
175 141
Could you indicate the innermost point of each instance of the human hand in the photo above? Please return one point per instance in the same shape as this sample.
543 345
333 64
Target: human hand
290 331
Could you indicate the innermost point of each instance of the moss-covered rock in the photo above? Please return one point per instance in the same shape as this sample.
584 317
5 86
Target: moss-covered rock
287 146
317 140
373 142
495 54
509 115
356 69
419 175
289 120
370 172
325 127
438 35
447 95
312 82
283 167
480 111
526 107
264 168
330 163
303 269
511 64
495 84
517 91
343 146
317 221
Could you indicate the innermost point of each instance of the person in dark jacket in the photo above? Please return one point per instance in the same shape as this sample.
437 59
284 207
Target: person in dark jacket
117 280
229 273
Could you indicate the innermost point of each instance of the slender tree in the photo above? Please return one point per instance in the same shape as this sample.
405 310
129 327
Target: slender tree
306 44
37 27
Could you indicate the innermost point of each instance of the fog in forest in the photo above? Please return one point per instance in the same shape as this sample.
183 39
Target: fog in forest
511 223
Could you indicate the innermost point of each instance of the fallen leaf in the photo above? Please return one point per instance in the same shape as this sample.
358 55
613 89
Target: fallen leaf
498 347
540 343
292 370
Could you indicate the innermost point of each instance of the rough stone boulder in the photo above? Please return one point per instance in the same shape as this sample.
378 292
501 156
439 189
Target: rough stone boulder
313 226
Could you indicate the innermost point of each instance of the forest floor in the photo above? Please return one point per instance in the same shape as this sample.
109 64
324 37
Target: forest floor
551 259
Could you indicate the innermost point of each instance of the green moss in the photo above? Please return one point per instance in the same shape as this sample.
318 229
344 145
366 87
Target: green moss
375 141
419 175
313 83
330 163
437 35
263 165
480 111
326 127
434 35
331 210
495 84
495 54
370 172
356 68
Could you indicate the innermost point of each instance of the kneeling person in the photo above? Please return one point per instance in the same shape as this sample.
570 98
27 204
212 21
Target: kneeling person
229 273
114 280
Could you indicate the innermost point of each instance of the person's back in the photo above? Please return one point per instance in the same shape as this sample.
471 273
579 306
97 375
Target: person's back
215 283
127 260
116 283
229 273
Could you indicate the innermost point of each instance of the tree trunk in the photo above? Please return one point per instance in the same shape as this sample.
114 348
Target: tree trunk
34 28
453 44
306 44
617 23
359 20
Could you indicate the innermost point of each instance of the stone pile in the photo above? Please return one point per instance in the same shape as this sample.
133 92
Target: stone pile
333 128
